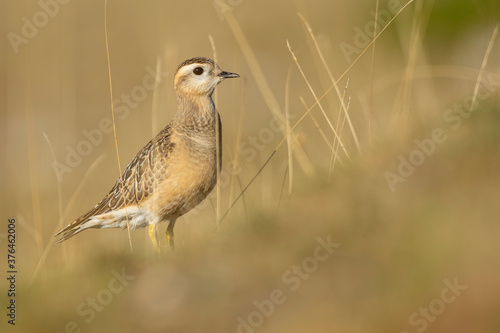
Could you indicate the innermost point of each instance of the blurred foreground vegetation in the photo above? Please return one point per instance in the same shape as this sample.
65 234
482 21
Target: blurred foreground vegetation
412 211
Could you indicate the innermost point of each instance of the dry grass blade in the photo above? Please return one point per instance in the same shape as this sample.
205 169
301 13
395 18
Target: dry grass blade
237 143
217 142
59 190
214 53
33 166
218 154
316 98
154 122
257 72
353 63
413 52
334 156
113 115
264 88
282 187
303 160
244 45
316 124
483 65
372 76
243 199
335 153
360 55
70 204
266 162
371 43
258 75
332 79
251 181
79 188
155 104
287 127
234 176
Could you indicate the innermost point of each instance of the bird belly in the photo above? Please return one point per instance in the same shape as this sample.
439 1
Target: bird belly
189 182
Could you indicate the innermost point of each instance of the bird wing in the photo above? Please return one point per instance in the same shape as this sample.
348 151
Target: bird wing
140 178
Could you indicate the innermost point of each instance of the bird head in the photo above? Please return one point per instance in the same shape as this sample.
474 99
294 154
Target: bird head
199 76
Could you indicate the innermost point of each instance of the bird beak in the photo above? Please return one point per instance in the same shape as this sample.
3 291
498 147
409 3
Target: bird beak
227 75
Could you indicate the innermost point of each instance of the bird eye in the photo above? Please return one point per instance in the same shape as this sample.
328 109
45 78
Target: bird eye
198 70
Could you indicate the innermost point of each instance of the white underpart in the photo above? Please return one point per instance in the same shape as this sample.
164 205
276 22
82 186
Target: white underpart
137 218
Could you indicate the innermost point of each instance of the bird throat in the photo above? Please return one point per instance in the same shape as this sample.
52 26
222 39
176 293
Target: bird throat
196 111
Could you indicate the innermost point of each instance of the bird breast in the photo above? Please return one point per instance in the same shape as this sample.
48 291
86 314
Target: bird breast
191 175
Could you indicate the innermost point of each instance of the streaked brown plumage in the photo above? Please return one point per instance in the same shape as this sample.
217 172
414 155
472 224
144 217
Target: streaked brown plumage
176 170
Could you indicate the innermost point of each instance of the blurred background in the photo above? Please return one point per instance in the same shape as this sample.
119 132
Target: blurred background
409 194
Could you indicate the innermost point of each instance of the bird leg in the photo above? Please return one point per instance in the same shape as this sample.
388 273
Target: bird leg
170 234
154 238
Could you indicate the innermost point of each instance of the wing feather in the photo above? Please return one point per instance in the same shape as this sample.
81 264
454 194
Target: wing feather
140 177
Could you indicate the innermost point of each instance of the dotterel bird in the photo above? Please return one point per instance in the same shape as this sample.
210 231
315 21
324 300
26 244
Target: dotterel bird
176 170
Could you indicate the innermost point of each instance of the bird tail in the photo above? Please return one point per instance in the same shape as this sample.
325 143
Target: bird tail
112 219
67 232
76 227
